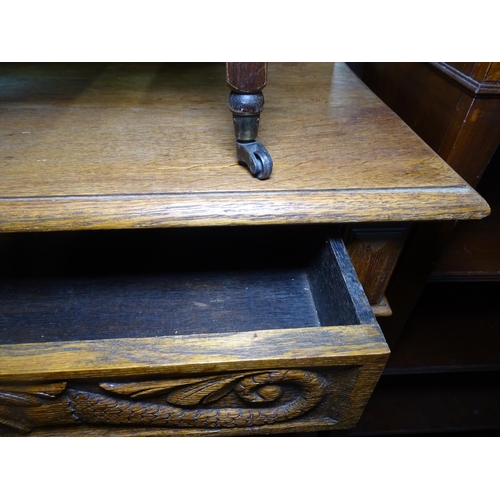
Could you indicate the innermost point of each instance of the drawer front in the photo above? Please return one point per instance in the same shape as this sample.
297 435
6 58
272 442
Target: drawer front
316 376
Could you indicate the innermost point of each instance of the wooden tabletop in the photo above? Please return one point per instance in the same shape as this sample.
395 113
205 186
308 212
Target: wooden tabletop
96 146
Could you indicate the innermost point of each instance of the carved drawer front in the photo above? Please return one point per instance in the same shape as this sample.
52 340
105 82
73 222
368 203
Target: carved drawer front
229 331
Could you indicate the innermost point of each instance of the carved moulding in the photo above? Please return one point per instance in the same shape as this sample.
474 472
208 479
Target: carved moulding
233 400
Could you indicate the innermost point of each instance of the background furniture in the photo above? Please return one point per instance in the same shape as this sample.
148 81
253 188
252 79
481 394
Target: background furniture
207 302
444 334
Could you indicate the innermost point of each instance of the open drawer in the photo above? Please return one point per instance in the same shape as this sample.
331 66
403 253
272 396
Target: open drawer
206 331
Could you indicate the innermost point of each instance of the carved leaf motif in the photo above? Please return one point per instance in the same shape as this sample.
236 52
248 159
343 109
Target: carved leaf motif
203 392
19 399
84 406
29 395
151 387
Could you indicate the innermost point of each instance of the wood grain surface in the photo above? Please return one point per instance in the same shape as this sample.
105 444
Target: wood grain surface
374 252
159 305
197 353
479 79
86 313
296 400
246 77
72 327
151 145
462 127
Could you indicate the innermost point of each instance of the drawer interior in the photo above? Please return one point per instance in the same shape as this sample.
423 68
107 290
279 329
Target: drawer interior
224 331
143 283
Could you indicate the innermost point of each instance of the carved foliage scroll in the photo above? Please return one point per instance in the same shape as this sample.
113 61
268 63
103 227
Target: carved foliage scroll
223 401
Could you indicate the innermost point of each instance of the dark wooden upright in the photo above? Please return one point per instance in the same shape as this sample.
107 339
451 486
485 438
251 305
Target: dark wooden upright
246 78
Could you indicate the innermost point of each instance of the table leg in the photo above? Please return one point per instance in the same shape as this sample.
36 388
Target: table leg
246 102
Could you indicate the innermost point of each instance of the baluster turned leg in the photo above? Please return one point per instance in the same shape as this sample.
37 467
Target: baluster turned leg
246 102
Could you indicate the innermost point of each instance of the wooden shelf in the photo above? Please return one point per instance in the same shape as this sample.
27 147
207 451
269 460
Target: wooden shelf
454 327
473 253
97 146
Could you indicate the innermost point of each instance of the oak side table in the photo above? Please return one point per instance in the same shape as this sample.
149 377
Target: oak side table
151 285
